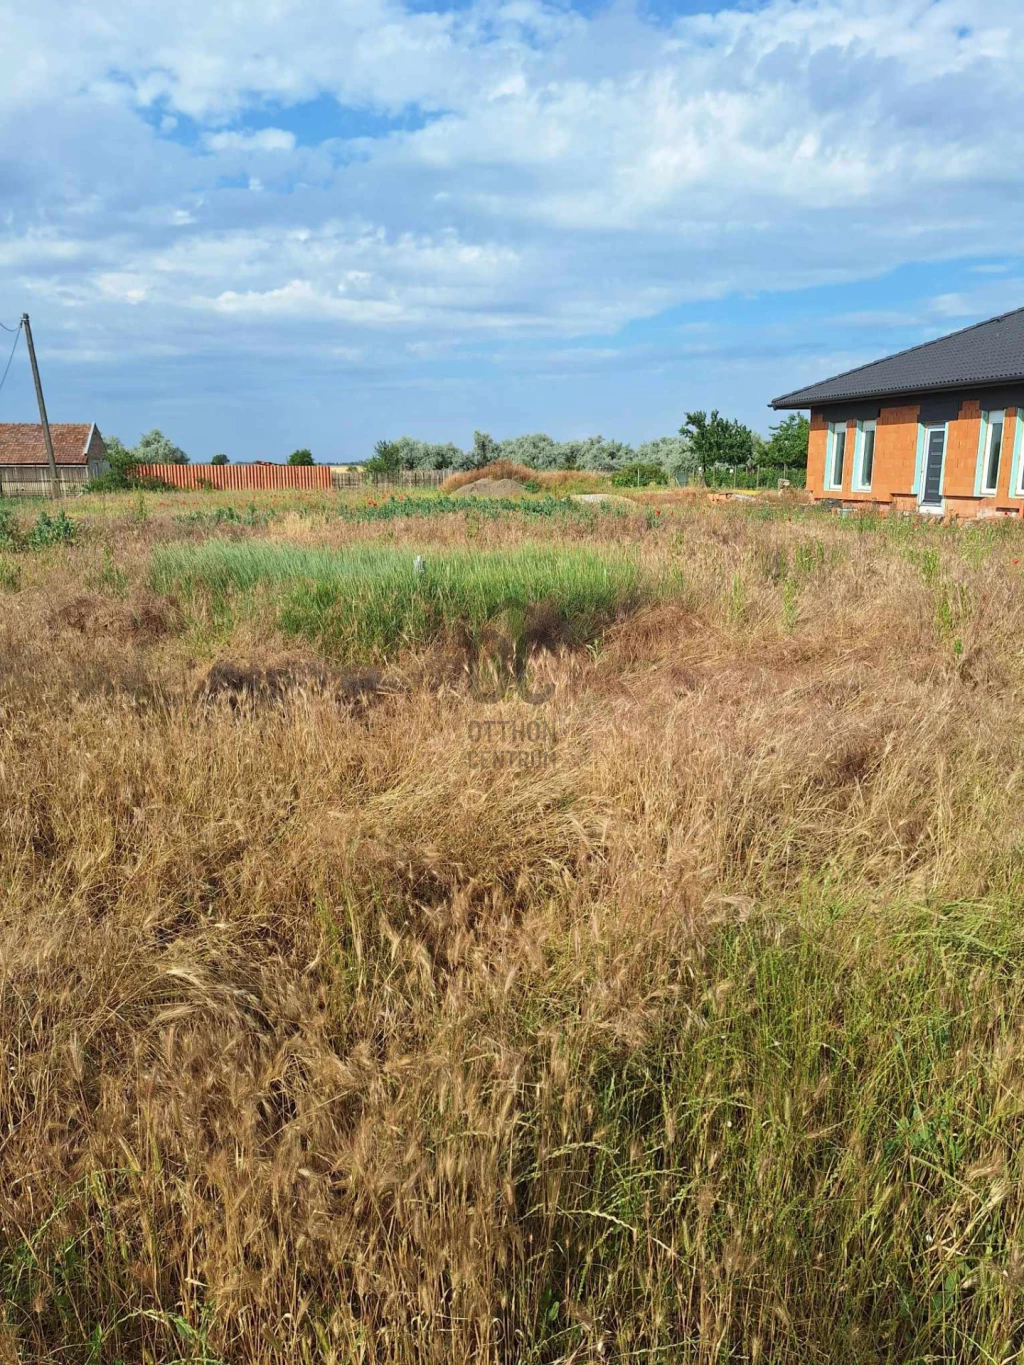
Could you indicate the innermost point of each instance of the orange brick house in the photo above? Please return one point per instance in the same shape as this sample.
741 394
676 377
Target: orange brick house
935 429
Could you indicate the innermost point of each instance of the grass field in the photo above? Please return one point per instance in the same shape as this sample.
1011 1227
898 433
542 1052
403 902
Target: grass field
675 1017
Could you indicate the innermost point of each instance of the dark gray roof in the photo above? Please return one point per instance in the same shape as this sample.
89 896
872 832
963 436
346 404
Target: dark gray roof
988 353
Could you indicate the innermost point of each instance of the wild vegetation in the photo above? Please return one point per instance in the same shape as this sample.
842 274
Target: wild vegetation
706 445
336 1031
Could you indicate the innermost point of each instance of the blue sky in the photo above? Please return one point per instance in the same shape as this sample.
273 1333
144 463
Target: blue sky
314 224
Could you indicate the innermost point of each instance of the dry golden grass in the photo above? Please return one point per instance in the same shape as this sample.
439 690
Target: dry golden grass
699 1042
553 481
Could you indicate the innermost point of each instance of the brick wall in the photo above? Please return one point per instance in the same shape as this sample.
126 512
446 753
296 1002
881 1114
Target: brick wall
896 443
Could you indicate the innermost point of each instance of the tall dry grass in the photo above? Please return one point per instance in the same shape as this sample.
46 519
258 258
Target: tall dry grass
700 1042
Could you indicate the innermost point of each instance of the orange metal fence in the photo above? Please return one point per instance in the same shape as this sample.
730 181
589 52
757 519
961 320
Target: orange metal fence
239 477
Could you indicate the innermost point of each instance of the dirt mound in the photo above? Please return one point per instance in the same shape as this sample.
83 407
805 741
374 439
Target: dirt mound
244 683
143 619
491 488
603 497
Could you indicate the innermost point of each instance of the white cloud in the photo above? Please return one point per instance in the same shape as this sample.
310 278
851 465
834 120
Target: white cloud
513 170
263 140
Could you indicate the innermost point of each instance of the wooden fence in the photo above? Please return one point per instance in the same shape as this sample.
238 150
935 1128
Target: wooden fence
241 478
35 481
250 477
28 481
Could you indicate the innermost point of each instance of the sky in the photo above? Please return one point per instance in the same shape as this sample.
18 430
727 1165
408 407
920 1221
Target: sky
286 223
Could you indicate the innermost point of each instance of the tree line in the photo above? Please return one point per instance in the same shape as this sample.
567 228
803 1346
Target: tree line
705 443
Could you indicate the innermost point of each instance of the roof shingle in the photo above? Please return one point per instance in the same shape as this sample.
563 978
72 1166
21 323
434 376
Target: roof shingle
989 352
22 442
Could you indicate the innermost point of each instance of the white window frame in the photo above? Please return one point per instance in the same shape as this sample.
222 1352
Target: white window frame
858 482
1016 484
991 418
834 429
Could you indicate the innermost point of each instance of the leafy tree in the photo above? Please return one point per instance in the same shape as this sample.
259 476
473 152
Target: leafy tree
787 442
219 459
122 471
639 474
674 454
300 457
603 456
717 440
386 458
536 451
485 448
156 448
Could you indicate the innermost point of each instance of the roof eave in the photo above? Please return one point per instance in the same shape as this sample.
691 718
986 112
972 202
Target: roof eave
803 398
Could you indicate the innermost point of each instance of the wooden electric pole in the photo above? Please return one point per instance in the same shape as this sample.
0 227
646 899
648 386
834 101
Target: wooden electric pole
42 405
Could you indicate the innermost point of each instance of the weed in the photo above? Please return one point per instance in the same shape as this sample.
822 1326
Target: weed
366 603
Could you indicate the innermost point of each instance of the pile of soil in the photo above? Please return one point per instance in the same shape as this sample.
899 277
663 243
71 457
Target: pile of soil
491 488
603 497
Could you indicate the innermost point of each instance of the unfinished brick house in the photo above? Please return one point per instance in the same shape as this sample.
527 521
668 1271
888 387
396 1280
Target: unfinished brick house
936 429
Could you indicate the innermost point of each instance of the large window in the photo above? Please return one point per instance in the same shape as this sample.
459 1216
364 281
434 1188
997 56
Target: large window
836 456
992 451
864 466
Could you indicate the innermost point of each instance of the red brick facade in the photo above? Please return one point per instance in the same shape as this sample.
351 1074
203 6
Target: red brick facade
896 456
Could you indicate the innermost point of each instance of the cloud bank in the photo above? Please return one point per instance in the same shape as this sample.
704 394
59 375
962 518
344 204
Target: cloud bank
501 183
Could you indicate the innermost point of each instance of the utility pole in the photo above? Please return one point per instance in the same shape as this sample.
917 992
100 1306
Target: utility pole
42 405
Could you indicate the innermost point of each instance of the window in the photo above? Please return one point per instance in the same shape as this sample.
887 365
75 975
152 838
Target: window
836 455
865 463
992 452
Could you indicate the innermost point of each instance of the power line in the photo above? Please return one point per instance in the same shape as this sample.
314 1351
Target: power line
17 334
10 329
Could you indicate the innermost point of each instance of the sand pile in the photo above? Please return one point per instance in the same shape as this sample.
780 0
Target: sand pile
603 497
491 488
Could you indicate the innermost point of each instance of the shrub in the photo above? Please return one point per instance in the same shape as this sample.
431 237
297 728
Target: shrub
639 474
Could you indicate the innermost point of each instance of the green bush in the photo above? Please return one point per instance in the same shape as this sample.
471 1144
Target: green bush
58 530
639 474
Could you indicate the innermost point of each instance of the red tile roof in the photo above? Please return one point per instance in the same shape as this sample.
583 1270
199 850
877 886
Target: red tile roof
22 442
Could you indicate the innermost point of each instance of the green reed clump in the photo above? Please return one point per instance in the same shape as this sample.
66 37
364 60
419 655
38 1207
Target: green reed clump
489 509
367 602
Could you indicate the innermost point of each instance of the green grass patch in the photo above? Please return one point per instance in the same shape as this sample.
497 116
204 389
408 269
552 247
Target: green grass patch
369 602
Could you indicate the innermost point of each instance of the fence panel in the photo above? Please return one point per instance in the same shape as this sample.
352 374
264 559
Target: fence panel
240 478
28 481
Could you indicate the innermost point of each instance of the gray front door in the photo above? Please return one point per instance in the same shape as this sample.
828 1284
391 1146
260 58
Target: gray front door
931 482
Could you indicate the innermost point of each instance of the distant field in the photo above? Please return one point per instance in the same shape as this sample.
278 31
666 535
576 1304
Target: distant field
600 941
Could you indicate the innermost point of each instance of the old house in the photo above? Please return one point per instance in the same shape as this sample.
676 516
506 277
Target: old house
935 429
78 451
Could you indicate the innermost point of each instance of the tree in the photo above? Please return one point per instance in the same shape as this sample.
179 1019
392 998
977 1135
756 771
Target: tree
673 453
787 442
122 461
156 448
301 457
536 451
485 449
219 459
717 440
386 458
